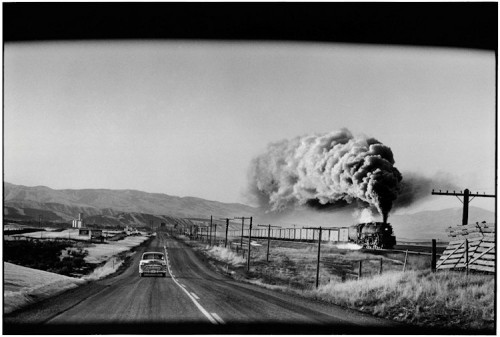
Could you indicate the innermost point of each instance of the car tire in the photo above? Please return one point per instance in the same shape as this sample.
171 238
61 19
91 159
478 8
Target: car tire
141 274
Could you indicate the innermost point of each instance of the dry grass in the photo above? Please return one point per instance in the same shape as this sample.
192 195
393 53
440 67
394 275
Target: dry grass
443 299
226 255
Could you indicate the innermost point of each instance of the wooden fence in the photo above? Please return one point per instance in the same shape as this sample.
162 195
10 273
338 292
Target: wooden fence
473 248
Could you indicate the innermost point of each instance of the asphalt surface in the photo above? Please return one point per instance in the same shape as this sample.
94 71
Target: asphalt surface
192 299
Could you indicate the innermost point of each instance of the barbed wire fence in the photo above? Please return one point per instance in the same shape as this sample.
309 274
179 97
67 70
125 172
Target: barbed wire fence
314 255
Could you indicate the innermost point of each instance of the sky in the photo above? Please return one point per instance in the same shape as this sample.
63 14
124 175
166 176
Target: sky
186 118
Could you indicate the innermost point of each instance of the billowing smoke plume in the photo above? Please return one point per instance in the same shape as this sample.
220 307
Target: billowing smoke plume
326 171
416 187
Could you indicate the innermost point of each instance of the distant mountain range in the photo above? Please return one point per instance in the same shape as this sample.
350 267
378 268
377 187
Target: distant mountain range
109 206
131 207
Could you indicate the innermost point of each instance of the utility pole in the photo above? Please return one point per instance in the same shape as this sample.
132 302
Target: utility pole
466 194
242 226
268 238
319 252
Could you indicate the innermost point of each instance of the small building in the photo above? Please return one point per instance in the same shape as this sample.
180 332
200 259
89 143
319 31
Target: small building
91 233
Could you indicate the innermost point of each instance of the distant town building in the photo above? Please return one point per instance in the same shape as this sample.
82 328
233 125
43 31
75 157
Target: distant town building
91 233
78 223
131 230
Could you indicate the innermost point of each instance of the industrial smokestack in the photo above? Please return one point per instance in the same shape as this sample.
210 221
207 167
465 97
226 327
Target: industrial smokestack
327 169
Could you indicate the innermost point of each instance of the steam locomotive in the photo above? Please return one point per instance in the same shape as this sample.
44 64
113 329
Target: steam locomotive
373 235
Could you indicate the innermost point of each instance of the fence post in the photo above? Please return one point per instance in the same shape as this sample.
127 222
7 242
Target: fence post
319 254
433 259
242 226
249 240
210 240
268 241
381 267
466 257
360 269
227 226
406 258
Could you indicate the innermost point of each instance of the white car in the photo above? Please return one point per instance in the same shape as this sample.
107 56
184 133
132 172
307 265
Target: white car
153 263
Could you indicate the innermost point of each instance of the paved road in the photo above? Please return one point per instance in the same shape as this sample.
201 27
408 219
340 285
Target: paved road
191 299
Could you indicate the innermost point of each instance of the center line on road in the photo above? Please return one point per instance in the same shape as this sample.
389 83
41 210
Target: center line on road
198 305
218 318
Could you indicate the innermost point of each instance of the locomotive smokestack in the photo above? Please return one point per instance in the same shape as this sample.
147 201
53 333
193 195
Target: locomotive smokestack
385 217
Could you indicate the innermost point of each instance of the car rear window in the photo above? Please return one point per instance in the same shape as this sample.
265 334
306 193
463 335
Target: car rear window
152 257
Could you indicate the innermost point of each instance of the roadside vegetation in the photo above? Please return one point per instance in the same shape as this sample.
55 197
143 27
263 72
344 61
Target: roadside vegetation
444 299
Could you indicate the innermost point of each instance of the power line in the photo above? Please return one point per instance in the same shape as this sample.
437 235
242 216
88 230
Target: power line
466 194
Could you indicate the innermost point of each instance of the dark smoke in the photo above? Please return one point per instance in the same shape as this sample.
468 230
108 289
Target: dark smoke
341 204
326 172
416 187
